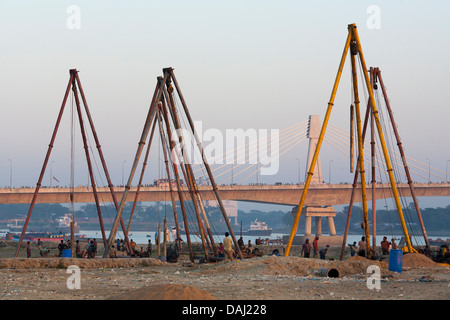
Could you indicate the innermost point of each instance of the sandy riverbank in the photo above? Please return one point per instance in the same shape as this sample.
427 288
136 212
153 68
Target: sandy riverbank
262 278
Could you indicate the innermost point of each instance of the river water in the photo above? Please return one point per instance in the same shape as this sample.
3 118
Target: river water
142 237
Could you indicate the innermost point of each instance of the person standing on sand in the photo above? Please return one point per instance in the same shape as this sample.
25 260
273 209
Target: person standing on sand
95 247
241 242
113 252
61 247
28 249
316 246
362 247
227 247
353 249
393 244
323 252
221 250
306 248
78 249
384 246
149 248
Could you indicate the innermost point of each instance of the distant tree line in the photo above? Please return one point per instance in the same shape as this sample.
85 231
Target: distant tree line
435 219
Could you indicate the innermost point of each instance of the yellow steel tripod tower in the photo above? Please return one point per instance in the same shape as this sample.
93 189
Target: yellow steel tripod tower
353 43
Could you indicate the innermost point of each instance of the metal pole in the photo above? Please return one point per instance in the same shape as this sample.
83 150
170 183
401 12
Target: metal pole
399 144
319 143
372 151
205 162
360 150
352 121
189 177
177 177
50 147
123 169
355 185
141 177
51 173
165 239
329 171
446 170
88 159
148 122
382 141
10 174
166 161
105 168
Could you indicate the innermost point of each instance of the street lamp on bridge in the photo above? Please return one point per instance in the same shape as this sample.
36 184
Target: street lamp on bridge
329 172
298 170
123 163
51 173
446 170
10 174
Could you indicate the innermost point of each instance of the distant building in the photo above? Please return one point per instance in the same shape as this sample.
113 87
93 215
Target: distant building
164 182
231 207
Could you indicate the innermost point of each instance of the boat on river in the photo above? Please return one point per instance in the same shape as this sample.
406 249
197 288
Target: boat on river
258 228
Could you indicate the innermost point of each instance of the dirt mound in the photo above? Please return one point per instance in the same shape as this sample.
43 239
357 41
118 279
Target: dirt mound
271 265
165 292
418 260
299 266
357 264
294 266
42 263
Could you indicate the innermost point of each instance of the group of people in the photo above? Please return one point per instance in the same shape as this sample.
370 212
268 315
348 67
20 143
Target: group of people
42 251
226 249
306 249
90 250
121 247
361 248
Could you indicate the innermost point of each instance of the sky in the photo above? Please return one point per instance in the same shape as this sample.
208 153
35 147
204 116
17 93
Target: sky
240 64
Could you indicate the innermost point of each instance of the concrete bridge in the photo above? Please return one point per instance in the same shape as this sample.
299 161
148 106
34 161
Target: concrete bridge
318 194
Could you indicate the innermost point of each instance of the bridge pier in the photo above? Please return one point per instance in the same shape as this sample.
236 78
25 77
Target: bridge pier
307 226
319 213
318 226
331 226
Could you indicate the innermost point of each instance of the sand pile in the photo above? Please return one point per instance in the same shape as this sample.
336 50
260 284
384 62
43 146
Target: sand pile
271 265
42 263
294 266
298 266
165 292
418 260
356 265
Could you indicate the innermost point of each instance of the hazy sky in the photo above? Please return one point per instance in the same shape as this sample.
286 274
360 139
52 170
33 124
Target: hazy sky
240 64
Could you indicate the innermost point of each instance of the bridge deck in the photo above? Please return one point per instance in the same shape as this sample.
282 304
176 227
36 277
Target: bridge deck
318 194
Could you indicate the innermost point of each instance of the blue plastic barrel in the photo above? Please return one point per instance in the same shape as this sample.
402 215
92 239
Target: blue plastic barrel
67 253
395 260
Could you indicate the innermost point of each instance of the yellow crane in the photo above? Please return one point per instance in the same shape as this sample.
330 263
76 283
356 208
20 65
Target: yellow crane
353 47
